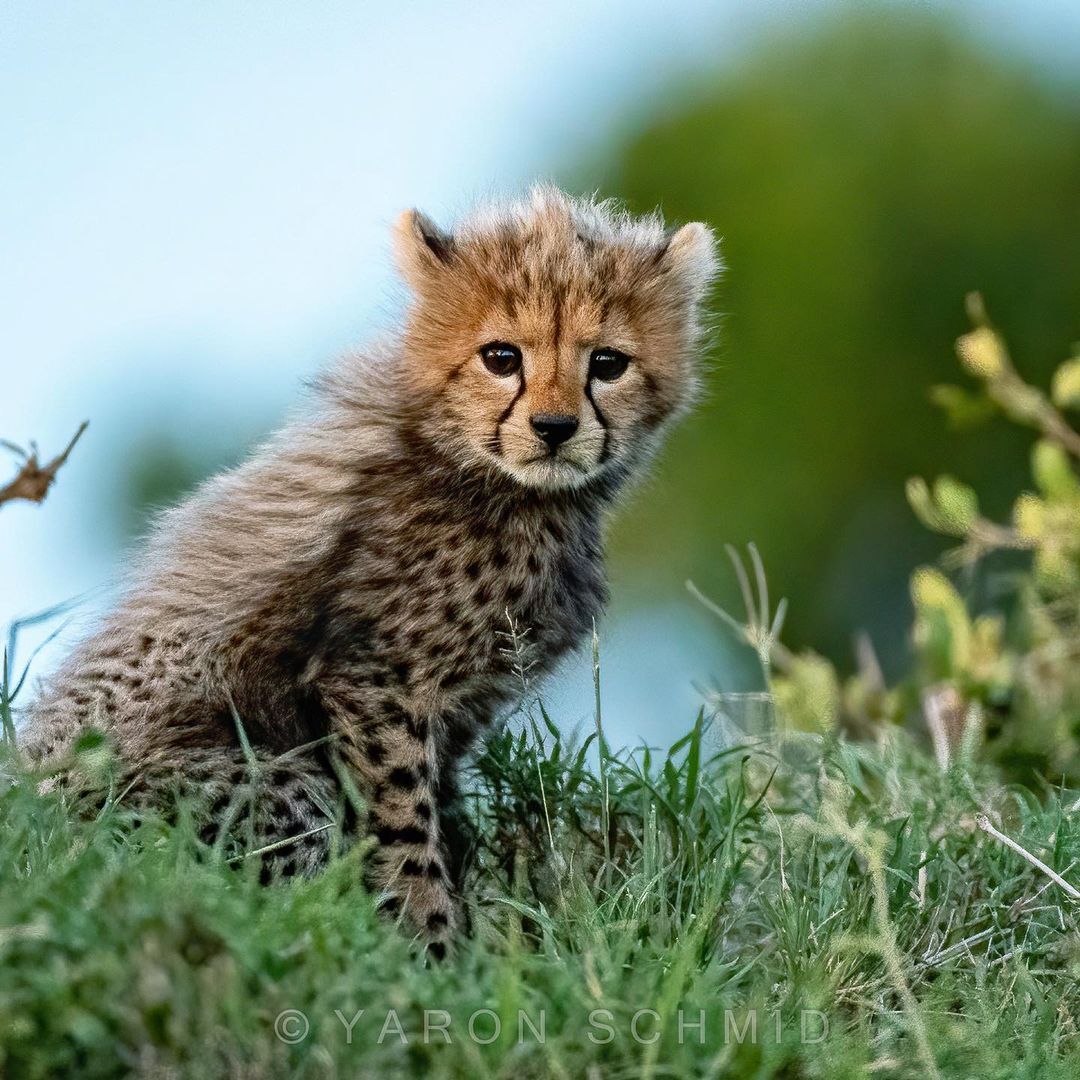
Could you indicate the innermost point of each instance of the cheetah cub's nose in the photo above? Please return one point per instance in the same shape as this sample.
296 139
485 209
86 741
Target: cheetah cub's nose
554 428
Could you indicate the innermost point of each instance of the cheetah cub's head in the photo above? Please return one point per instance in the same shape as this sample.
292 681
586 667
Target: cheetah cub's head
553 338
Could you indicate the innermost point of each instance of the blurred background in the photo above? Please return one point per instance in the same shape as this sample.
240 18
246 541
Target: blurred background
194 202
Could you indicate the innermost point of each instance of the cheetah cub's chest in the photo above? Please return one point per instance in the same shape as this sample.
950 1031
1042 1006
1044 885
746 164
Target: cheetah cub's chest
526 595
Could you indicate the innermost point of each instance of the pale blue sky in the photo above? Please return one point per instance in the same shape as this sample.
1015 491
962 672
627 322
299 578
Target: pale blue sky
194 201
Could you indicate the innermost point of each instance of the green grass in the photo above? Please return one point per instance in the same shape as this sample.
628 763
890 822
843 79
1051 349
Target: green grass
781 879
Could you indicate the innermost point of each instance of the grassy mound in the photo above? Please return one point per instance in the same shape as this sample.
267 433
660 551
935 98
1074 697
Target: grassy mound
785 906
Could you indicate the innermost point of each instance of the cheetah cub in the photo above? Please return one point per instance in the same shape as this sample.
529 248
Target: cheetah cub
346 592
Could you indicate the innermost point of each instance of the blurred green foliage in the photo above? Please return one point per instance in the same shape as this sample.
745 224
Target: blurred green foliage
865 173
995 671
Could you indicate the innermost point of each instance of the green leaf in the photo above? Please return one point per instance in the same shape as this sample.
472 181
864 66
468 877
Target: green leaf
981 351
940 610
920 500
951 508
1066 385
1053 472
957 504
963 409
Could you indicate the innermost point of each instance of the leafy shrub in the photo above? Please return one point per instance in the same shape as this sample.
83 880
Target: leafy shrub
996 650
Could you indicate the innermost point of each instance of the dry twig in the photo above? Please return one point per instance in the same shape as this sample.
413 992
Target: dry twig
984 823
33 480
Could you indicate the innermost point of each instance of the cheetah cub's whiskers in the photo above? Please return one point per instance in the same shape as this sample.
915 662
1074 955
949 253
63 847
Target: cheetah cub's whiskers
352 578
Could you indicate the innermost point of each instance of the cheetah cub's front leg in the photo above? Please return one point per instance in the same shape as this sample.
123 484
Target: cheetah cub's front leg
397 765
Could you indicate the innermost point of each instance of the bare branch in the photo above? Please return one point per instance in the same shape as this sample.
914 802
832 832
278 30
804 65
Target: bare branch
33 480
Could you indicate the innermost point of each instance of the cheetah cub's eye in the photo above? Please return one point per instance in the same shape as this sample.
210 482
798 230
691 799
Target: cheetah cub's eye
501 359
608 364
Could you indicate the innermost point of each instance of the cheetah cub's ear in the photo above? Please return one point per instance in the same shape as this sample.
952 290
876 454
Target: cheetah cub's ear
692 257
422 250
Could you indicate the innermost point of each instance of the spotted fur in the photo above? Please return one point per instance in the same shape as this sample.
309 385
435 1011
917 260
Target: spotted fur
355 578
